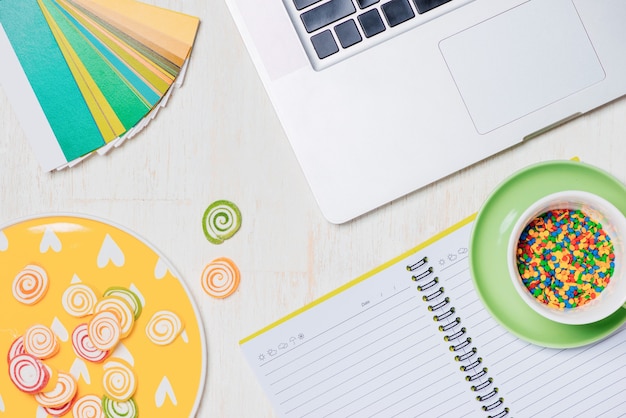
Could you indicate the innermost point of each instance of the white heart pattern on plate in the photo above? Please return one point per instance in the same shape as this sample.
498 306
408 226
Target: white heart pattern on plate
164 390
59 329
160 270
4 241
78 369
110 251
50 241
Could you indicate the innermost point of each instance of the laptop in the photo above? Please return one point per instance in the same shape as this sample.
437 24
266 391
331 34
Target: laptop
379 98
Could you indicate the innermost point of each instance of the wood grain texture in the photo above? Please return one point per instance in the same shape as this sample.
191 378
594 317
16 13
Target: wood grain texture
219 138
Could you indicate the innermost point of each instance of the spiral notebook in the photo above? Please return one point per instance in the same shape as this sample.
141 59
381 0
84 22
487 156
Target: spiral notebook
412 338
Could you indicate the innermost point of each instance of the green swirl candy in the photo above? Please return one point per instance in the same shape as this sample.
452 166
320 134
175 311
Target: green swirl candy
221 220
128 295
115 409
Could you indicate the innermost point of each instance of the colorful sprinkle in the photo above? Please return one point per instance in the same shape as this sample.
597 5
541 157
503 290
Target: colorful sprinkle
30 285
221 220
565 259
220 278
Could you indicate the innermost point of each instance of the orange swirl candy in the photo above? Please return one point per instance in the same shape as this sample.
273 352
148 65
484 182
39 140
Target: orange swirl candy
104 330
54 375
88 406
41 342
163 327
119 381
62 393
79 300
122 310
220 278
30 285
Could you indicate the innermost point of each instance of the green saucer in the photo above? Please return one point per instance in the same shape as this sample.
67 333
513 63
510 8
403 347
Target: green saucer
488 246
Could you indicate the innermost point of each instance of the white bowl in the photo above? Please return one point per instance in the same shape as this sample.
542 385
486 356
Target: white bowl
613 222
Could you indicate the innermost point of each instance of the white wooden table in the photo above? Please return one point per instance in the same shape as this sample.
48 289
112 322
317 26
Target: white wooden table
219 138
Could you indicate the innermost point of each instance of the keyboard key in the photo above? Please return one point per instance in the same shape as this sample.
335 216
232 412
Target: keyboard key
366 3
347 33
425 5
397 11
301 4
324 44
371 23
326 13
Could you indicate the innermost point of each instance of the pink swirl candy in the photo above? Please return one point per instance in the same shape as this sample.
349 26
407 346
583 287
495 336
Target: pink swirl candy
17 347
59 411
28 374
84 348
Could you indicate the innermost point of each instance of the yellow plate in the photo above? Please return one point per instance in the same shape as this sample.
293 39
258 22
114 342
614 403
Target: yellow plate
170 378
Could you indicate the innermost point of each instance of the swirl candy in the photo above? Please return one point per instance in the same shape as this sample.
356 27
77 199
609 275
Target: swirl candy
84 348
88 406
30 285
220 278
119 381
163 327
41 342
54 375
28 374
17 347
79 300
115 409
122 310
104 330
128 295
60 410
221 220
63 392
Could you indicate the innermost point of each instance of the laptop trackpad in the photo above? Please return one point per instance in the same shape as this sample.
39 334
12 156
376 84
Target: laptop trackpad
519 61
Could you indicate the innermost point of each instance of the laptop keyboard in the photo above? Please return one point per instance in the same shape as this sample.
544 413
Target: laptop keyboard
329 29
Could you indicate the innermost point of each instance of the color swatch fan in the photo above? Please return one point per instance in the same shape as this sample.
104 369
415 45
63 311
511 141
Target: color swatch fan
84 75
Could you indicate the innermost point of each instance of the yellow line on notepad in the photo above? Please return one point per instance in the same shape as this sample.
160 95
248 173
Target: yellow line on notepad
358 280
105 117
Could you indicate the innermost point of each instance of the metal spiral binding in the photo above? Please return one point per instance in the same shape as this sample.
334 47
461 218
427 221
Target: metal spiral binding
450 324
457 335
439 305
449 312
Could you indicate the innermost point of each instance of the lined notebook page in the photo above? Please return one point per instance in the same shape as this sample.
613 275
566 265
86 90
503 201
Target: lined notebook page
588 381
372 349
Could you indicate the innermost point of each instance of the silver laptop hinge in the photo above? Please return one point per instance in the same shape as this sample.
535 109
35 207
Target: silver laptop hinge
552 126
